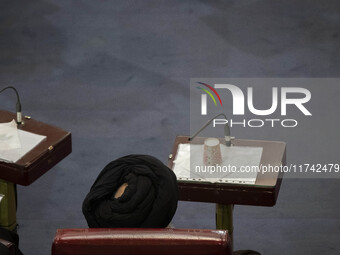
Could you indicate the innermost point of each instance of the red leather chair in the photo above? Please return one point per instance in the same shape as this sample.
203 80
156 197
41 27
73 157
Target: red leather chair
127 241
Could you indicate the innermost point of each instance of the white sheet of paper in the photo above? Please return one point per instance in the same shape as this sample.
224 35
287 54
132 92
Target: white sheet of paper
9 137
27 140
236 156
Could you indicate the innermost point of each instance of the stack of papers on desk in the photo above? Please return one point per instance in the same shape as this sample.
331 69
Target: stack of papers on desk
238 157
15 143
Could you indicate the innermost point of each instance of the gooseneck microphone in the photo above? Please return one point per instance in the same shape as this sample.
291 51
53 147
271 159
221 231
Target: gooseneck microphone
18 105
226 129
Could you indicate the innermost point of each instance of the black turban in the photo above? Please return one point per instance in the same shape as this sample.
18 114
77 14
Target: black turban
149 200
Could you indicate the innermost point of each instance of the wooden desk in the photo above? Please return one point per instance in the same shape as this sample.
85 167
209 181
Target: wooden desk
263 193
42 158
31 166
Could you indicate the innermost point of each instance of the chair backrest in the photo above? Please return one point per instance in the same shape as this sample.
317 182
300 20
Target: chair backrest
127 241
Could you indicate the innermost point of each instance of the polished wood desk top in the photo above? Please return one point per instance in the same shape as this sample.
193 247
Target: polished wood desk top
40 159
263 193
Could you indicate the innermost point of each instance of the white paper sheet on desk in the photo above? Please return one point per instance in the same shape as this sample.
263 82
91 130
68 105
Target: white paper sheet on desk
238 156
9 137
27 140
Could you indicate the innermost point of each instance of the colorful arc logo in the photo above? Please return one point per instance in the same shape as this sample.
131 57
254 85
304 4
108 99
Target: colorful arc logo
204 97
209 93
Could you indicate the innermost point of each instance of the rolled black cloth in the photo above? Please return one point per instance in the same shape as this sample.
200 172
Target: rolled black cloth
149 200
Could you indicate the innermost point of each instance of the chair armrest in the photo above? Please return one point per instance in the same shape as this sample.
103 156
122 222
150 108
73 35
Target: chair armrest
106 241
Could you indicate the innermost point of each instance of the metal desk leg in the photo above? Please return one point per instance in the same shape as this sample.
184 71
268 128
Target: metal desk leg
8 205
224 218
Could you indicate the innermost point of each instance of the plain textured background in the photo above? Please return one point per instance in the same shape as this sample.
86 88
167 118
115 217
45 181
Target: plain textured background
116 74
